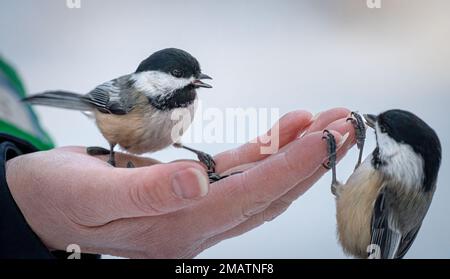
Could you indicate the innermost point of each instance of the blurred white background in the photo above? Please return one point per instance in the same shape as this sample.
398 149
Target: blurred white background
311 54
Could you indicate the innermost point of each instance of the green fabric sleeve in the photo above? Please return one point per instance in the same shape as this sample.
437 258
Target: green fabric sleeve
16 118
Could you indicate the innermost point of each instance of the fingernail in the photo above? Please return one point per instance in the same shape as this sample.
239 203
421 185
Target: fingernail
343 139
190 183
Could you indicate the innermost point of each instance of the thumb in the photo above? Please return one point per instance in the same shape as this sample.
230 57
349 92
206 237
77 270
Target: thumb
154 190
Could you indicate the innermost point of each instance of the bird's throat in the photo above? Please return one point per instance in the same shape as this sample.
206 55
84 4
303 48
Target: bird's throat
180 98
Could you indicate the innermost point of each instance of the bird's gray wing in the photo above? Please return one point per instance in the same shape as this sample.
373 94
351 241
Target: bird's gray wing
407 241
385 234
114 97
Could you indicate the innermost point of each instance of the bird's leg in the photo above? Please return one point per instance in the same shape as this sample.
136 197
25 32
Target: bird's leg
112 155
203 157
331 164
360 134
207 160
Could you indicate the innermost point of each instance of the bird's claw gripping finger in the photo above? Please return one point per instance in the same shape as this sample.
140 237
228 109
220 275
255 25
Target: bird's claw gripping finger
360 128
112 162
360 134
331 149
331 163
207 160
214 177
203 157
96 151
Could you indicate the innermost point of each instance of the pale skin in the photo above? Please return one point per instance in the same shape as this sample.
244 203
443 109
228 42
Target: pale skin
69 197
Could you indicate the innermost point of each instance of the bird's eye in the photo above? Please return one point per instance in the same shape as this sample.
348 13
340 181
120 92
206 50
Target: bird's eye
383 129
177 73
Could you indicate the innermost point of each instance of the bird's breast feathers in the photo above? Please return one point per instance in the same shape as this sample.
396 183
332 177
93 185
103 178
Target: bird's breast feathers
354 206
145 128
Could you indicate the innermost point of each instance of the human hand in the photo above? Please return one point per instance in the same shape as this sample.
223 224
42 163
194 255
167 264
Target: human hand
69 197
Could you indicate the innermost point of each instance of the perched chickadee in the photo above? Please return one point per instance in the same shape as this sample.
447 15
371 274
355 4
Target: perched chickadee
382 205
134 111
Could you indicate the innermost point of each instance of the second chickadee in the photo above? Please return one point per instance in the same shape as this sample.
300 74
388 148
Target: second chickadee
134 111
381 207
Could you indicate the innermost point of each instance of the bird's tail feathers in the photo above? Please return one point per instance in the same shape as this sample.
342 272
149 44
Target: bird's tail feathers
59 99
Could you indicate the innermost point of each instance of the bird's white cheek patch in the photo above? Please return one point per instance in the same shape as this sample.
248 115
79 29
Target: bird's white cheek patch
402 163
155 83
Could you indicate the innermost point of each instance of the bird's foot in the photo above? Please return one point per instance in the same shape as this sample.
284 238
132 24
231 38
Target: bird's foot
203 157
207 160
112 162
96 151
214 177
360 134
331 163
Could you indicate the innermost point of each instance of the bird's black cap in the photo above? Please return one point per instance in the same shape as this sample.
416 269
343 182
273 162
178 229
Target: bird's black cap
405 127
170 59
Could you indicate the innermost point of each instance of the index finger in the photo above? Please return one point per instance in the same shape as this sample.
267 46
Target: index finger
289 127
240 196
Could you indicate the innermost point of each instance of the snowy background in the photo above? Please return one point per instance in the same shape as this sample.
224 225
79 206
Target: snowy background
288 55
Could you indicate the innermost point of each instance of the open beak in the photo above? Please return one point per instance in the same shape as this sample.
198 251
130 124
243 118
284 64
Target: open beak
370 120
198 83
203 76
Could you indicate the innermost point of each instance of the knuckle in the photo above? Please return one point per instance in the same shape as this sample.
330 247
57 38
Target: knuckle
275 210
252 208
253 202
295 114
290 166
148 198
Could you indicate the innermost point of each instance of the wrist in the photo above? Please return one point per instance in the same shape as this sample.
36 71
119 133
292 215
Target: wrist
17 239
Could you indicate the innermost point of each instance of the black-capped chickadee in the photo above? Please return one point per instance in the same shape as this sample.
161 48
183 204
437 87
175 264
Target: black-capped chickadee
134 111
381 207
